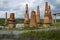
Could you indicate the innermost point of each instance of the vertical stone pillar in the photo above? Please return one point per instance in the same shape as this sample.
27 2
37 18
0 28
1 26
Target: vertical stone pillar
38 16
6 20
46 16
12 21
26 19
33 19
55 19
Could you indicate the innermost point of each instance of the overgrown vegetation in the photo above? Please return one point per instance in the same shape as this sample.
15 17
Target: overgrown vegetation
12 29
24 28
30 28
34 35
43 35
57 24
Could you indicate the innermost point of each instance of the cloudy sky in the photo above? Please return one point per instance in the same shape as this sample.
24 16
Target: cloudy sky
18 7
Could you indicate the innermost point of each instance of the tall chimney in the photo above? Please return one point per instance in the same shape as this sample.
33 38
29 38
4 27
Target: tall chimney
26 19
38 16
33 19
6 20
12 21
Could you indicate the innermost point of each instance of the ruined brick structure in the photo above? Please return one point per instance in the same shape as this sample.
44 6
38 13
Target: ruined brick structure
50 16
26 19
33 19
38 16
46 16
12 21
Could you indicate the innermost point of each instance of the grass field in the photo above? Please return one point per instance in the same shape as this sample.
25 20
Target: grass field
43 35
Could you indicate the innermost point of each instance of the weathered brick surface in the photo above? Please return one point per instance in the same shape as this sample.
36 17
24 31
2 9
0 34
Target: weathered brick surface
46 16
50 16
12 21
33 19
38 16
12 16
26 19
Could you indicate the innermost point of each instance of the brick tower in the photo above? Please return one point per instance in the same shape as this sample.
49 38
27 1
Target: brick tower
26 19
46 16
50 16
12 21
33 19
38 16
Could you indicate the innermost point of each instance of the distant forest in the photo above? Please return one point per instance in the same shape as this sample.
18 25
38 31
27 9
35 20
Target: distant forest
2 21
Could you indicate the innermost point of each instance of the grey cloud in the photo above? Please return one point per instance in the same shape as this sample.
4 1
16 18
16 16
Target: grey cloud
55 4
20 9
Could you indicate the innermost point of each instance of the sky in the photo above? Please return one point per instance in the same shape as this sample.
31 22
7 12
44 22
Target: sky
18 7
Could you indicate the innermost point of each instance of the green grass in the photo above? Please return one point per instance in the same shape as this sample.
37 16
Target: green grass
52 35
24 28
41 35
57 24
12 29
30 28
